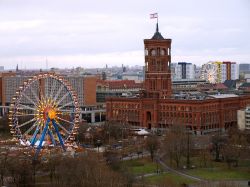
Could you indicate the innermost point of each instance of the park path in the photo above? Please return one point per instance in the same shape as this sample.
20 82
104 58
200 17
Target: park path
167 168
241 183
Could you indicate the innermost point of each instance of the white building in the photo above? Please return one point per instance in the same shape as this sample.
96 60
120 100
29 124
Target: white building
243 118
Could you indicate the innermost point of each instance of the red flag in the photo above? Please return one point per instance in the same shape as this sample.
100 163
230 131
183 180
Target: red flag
153 16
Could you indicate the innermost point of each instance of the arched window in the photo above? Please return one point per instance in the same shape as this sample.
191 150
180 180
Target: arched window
153 52
163 52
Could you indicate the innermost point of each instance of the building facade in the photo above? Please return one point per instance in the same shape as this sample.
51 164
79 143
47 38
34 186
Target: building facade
244 68
183 70
229 71
85 88
244 119
156 107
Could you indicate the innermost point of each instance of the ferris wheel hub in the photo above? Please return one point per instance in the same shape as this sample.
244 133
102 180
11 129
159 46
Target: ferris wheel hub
52 114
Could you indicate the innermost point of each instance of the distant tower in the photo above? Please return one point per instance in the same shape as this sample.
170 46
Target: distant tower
157 66
17 68
104 76
47 66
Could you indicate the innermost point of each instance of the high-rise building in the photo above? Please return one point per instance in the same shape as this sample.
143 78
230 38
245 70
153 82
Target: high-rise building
229 71
183 70
244 68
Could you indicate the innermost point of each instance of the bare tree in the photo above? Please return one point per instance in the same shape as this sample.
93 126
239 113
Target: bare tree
176 144
218 142
152 145
87 171
114 131
204 157
234 145
3 164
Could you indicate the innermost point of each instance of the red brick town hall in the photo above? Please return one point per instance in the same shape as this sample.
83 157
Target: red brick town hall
157 107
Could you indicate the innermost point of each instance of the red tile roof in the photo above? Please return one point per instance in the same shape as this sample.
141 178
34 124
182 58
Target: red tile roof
220 86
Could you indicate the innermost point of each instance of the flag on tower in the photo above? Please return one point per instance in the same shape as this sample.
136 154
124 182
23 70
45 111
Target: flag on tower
154 15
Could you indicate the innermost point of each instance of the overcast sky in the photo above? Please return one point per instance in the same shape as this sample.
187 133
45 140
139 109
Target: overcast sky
71 33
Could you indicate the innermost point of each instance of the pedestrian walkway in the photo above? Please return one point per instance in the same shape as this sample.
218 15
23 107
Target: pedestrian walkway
167 168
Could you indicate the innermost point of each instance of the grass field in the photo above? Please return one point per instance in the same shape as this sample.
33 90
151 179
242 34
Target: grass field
146 166
170 178
221 173
220 170
140 166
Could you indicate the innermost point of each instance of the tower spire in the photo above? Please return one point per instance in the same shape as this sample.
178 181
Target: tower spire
157 34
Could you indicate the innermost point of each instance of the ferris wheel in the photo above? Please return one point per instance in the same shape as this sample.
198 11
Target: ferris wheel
209 72
45 109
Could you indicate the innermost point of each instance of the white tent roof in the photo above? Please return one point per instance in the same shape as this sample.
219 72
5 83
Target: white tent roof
142 132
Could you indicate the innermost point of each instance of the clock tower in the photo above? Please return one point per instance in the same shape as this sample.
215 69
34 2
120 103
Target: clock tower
157 82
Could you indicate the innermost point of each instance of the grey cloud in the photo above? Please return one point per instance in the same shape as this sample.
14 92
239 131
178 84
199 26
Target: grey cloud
73 28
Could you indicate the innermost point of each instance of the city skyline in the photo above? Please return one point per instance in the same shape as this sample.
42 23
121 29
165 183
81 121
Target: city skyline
92 34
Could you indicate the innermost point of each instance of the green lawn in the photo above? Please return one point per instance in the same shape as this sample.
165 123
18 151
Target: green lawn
146 168
216 171
211 163
170 178
220 170
221 173
140 166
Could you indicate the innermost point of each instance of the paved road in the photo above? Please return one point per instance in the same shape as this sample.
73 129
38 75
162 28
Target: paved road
135 156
